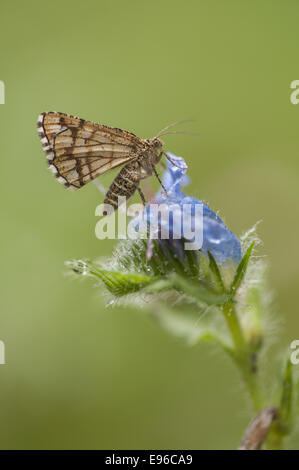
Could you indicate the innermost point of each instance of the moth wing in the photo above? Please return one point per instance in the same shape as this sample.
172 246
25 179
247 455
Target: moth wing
78 150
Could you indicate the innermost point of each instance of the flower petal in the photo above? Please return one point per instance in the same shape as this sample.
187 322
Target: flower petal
217 238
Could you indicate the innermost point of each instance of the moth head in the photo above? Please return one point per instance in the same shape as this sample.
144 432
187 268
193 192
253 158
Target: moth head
156 143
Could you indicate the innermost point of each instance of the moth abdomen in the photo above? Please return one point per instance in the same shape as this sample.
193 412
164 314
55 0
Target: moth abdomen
125 184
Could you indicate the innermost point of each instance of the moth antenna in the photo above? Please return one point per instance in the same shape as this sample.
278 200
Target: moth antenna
179 132
174 124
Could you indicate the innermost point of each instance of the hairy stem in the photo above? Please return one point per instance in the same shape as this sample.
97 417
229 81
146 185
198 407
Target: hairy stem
243 356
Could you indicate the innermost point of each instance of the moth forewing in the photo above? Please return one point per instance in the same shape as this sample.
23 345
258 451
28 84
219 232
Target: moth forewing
78 151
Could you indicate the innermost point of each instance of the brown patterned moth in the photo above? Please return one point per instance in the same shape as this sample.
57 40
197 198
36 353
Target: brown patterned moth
78 151
258 429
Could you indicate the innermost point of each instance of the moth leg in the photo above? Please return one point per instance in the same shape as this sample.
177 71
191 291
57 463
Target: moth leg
158 178
141 195
163 164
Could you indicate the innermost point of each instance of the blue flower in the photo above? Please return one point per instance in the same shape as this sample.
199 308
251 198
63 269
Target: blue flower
217 238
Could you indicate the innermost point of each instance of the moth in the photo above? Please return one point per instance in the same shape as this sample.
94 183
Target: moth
78 151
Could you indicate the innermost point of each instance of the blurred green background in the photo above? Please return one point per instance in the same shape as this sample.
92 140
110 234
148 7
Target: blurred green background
81 376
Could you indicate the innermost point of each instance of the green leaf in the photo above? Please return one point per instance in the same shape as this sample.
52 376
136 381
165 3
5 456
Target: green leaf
192 263
121 284
158 286
215 270
197 290
117 282
285 409
241 270
131 255
193 327
284 422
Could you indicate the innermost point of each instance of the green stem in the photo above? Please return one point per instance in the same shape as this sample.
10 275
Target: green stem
275 438
243 356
